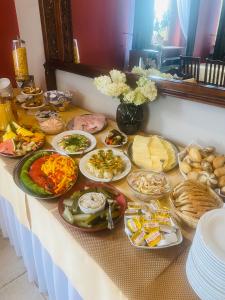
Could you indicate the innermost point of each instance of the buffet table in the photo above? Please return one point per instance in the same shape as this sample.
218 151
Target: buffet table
70 264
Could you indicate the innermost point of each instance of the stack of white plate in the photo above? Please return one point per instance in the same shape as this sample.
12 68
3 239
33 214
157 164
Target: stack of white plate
205 266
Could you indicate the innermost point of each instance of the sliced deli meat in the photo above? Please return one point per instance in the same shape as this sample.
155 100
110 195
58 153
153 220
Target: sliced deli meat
90 123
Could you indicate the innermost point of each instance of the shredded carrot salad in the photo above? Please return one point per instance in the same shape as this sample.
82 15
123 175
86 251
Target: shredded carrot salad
61 170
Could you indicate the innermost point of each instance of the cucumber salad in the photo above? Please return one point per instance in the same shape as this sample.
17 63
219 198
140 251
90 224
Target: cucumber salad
74 143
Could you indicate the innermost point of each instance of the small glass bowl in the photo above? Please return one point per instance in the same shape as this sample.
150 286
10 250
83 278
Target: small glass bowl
61 100
56 126
147 191
44 115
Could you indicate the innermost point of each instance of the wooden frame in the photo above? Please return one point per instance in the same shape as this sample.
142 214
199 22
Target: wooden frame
56 23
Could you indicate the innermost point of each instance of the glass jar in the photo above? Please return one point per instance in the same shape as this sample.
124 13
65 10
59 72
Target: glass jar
20 58
6 110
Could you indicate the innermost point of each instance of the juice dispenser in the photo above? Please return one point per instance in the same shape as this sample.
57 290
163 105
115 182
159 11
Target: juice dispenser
6 110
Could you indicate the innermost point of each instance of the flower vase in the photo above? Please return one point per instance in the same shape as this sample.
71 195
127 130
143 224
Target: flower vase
129 117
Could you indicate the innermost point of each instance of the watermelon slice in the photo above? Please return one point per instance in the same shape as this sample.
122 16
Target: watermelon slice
7 147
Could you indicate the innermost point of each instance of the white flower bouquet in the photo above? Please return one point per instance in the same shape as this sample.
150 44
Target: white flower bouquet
115 85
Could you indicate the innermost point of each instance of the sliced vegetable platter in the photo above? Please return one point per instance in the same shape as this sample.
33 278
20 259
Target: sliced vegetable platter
70 211
45 174
114 138
17 141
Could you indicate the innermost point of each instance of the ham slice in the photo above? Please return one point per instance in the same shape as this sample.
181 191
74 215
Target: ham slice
90 123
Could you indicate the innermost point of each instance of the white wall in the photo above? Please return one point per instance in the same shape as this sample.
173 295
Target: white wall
29 22
177 119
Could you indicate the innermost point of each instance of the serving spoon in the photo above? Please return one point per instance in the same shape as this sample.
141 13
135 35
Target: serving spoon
110 219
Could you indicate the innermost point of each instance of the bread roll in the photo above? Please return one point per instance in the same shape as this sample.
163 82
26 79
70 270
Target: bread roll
222 181
210 158
220 171
185 167
218 162
195 154
193 175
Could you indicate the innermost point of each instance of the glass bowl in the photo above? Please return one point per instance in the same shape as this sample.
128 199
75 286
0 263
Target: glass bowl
61 100
148 185
52 126
44 115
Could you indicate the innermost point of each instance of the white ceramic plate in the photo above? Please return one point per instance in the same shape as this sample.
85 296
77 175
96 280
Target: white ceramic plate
86 173
32 108
212 226
114 146
202 286
60 136
38 94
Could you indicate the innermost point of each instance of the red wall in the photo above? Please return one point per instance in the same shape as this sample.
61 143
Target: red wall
100 27
207 27
8 31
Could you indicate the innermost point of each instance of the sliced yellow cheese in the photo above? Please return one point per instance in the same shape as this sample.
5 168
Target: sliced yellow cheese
156 164
153 153
171 155
158 151
140 152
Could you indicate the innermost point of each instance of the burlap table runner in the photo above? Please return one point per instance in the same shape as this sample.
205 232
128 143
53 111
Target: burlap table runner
133 270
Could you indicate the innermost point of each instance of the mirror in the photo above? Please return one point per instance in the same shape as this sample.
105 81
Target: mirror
101 29
97 57
152 34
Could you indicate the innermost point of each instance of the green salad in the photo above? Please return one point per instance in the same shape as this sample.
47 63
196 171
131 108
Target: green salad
74 143
73 214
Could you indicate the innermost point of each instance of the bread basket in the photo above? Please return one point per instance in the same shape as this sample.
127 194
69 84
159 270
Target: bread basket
188 220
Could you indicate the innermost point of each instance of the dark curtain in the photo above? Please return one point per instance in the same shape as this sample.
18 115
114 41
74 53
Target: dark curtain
219 51
193 22
143 24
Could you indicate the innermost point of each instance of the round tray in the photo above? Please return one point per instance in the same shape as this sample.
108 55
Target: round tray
16 175
119 197
70 126
176 150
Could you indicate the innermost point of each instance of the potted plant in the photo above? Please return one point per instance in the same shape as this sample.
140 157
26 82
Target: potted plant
129 114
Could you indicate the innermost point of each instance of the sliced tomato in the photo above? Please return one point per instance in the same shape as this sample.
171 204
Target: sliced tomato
39 177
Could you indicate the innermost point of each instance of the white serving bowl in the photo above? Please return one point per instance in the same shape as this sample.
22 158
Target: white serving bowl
114 146
88 210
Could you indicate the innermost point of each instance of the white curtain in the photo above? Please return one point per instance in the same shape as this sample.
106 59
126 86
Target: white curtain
183 7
